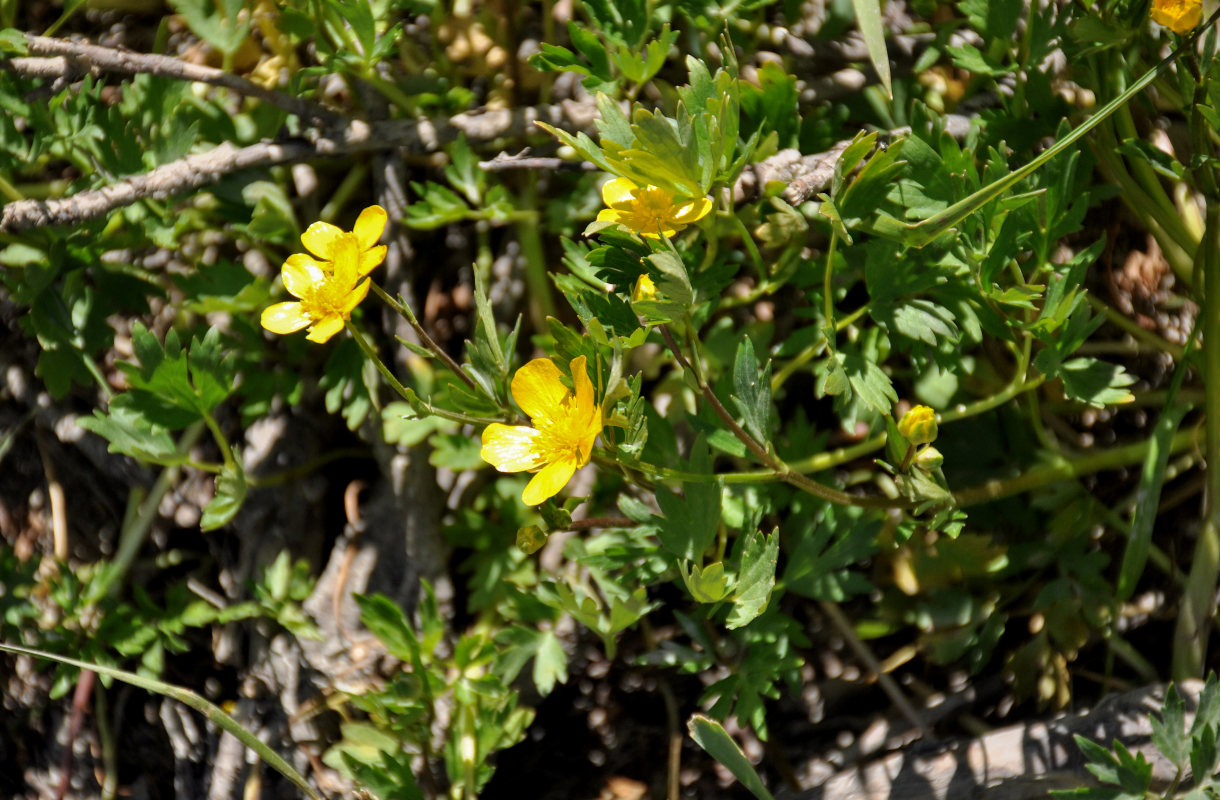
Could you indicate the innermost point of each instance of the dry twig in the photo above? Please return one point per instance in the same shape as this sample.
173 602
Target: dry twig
63 59
202 169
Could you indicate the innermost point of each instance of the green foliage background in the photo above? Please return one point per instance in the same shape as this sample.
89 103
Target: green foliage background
751 498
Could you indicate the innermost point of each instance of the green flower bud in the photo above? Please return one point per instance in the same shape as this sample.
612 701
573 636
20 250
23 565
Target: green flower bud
929 459
530 539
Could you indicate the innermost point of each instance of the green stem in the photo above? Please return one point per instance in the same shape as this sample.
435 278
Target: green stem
1131 327
780 470
226 452
605 459
371 354
214 713
389 90
9 190
924 232
1198 604
809 353
822 461
529 236
1163 207
279 478
105 735
1061 469
140 518
1141 206
352 182
828 288
404 311
423 407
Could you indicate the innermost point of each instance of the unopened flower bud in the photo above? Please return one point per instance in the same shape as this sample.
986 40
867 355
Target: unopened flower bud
918 426
645 289
530 539
929 459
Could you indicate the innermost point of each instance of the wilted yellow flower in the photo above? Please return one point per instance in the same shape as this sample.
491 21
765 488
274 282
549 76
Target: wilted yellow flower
1180 16
326 297
565 426
321 239
918 425
650 210
644 289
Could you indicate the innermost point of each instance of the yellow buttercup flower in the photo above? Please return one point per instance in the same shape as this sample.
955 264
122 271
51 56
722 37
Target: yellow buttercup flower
1180 16
321 239
918 425
650 210
566 423
326 297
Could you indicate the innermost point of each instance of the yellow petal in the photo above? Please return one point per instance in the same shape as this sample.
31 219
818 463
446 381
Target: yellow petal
589 436
319 237
619 191
659 231
285 318
354 298
369 226
512 448
300 273
538 390
612 215
371 259
583 387
326 328
346 258
691 211
549 480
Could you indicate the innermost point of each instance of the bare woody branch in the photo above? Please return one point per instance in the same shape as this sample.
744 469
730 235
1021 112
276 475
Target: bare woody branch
199 170
806 176
523 160
67 60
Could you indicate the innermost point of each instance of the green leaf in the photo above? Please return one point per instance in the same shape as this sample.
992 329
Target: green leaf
707 584
1208 712
1147 504
1203 753
129 432
230 494
217 22
1094 382
869 383
1169 731
673 282
868 18
715 740
926 321
522 644
386 774
386 620
755 578
690 520
821 554
1100 761
12 42
168 387
752 393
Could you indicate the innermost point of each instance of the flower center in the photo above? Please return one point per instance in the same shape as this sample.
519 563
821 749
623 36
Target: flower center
326 297
655 204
